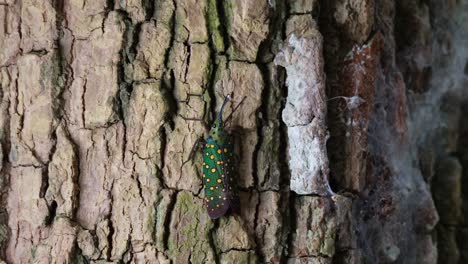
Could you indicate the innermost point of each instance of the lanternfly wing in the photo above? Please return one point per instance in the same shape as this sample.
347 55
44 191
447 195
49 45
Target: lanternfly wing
216 199
229 163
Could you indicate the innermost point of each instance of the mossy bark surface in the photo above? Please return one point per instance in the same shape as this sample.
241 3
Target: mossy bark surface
337 162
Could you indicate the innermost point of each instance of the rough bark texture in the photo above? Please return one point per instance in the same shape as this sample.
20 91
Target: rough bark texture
350 140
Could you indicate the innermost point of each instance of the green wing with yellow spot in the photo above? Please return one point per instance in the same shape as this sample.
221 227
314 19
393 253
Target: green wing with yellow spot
229 163
215 178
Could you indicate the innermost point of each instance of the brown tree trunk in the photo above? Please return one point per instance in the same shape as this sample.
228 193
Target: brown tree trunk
354 113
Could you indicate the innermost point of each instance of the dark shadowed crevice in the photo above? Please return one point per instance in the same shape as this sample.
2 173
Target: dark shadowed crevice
76 256
266 115
60 75
124 78
188 48
224 24
332 57
39 53
168 83
149 6
128 252
258 252
64 72
210 106
5 231
52 212
110 4
261 122
44 182
77 170
83 103
291 223
167 220
110 240
138 183
45 169
163 138
215 67
167 88
288 220
285 179
172 22
5 169
127 56
462 154
212 243
283 135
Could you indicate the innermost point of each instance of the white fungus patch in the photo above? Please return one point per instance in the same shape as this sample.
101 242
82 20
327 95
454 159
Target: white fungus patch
304 114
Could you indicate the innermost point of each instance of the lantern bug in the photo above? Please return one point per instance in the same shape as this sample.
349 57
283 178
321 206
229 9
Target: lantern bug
219 170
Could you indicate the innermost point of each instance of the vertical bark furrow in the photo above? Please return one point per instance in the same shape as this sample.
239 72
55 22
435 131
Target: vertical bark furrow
94 140
5 150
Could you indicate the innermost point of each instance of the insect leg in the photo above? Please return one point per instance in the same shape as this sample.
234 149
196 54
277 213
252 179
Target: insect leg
192 151
207 127
187 99
234 110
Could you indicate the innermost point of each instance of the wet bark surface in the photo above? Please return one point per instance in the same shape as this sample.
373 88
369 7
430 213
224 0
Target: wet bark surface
350 138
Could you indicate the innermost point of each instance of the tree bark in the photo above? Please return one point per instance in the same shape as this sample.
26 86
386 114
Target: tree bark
350 138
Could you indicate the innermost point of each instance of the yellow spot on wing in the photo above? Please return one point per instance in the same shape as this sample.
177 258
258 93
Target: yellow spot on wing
225 150
219 180
211 188
212 157
213 170
207 166
208 180
211 198
212 146
219 151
